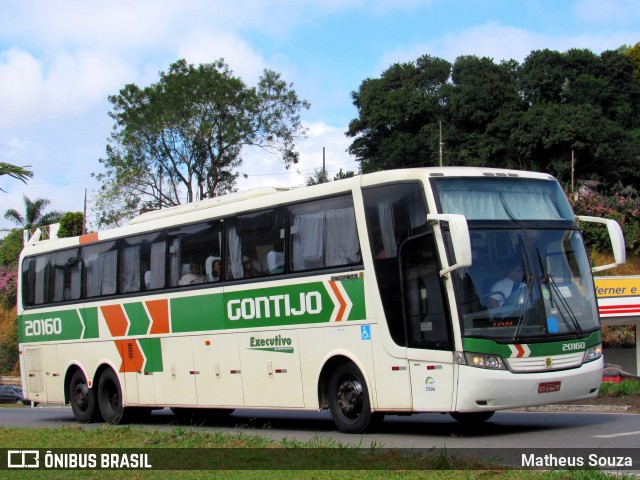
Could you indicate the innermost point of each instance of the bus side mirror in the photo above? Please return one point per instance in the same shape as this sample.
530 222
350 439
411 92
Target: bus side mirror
616 237
460 239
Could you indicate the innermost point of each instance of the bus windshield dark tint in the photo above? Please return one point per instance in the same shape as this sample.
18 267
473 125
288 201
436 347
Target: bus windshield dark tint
531 283
503 198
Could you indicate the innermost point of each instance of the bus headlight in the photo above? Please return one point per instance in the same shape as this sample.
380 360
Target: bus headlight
484 360
592 353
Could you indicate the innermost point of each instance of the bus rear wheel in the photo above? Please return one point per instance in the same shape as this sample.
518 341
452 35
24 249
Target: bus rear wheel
83 399
110 397
349 399
472 417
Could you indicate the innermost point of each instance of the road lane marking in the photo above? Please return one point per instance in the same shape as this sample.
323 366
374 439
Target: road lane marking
614 435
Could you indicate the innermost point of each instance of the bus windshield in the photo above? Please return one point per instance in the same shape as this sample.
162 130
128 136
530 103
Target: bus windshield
503 198
525 284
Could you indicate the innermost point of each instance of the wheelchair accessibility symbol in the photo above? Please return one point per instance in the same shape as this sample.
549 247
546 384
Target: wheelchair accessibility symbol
365 332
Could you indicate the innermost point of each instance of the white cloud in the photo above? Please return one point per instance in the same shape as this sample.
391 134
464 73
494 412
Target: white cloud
206 47
20 86
267 170
503 42
114 24
36 90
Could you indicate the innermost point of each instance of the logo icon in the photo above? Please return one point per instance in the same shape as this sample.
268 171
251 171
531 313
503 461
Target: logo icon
430 384
548 362
365 332
23 459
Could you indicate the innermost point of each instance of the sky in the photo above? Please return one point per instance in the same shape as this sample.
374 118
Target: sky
60 60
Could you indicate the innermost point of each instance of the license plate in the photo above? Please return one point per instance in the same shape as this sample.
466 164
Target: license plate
549 387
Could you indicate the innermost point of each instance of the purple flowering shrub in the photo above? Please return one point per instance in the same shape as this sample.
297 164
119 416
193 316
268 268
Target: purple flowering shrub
625 210
8 279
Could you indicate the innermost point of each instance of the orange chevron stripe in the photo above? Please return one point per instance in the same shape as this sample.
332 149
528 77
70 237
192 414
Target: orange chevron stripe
159 311
343 304
116 319
131 355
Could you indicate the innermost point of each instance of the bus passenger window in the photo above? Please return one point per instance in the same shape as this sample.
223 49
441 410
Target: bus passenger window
324 234
101 264
255 244
142 263
67 275
190 247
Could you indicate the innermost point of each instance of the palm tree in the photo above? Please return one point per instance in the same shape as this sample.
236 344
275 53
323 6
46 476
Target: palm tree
19 173
34 216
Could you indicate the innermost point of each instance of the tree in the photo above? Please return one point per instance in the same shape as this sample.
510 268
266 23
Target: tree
34 215
10 247
71 224
479 92
342 175
316 177
634 55
9 344
181 139
398 114
532 116
19 173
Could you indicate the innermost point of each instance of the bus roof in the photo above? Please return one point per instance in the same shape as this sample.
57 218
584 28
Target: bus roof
257 198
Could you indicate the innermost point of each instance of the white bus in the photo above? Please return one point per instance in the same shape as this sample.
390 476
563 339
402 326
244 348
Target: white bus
380 294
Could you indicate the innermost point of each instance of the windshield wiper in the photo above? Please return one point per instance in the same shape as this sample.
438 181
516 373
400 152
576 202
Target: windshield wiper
525 304
547 279
565 305
523 307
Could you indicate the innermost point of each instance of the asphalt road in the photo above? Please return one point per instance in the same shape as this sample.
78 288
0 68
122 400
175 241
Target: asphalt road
509 429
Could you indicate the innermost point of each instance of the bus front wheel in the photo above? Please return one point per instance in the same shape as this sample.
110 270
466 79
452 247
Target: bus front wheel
110 397
83 399
349 399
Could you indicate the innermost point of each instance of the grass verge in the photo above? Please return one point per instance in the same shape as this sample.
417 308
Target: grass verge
286 459
622 389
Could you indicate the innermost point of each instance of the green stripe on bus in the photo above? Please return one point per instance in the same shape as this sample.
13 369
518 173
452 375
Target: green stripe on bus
297 304
90 318
196 313
355 290
50 326
479 345
277 306
138 318
153 352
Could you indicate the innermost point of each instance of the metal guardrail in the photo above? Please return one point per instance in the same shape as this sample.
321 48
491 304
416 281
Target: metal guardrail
10 381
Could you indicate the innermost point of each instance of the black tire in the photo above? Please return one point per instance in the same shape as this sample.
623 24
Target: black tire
472 417
349 399
83 399
110 398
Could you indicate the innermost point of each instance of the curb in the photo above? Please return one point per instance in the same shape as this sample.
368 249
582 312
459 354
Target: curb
576 408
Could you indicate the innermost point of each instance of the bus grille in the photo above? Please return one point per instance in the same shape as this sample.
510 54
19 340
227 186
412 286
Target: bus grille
545 364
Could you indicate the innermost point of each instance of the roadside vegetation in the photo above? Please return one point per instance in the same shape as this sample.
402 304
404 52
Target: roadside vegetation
253 456
622 389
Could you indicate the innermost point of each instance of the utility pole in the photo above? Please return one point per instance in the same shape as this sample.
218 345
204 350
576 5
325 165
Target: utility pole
440 142
324 171
84 214
573 164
